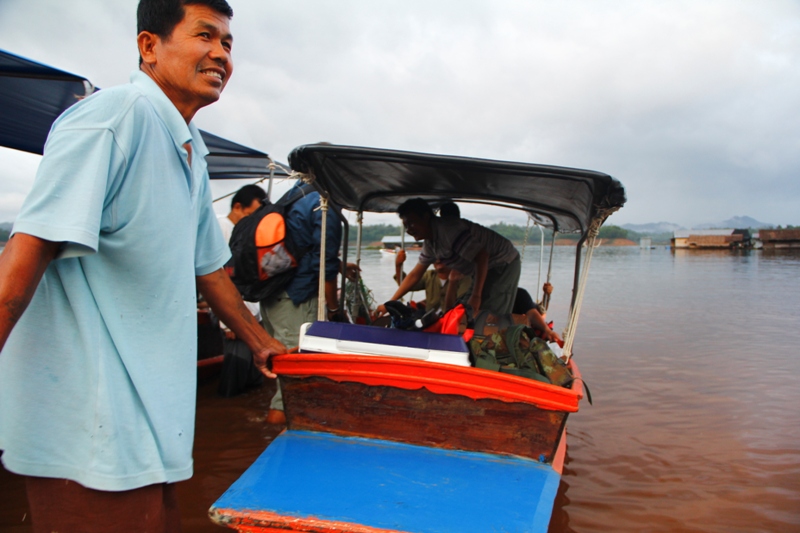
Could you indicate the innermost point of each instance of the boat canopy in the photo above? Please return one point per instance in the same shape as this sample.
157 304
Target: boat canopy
368 179
33 95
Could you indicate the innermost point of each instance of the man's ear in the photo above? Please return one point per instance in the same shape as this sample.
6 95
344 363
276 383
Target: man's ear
147 42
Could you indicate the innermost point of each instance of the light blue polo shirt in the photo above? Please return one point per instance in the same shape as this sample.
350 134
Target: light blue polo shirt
98 378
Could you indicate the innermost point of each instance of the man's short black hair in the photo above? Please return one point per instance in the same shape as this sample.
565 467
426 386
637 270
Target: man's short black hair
414 205
245 196
161 16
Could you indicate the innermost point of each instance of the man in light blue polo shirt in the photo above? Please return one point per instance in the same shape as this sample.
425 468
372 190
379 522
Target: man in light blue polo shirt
97 378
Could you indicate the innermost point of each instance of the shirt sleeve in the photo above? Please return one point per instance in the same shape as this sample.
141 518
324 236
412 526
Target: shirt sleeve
68 202
427 256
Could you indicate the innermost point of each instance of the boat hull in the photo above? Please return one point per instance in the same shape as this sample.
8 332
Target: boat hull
390 444
426 404
421 417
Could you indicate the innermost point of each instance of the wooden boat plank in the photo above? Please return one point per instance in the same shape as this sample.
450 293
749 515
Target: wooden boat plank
422 417
315 482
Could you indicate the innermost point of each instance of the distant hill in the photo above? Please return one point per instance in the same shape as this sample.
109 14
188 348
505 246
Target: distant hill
6 225
737 223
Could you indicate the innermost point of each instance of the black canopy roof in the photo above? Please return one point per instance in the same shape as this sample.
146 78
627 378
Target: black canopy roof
370 179
33 95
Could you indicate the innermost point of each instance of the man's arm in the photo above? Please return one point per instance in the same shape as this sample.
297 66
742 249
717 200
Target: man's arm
454 282
332 299
399 259
410 281
221 294
22 265
536 321
481 268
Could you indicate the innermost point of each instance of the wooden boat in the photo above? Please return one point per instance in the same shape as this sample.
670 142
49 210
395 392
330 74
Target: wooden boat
391 430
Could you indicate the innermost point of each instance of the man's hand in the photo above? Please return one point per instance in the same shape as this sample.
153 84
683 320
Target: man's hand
400 258
351 272
551 336
261 357
225 300
379 312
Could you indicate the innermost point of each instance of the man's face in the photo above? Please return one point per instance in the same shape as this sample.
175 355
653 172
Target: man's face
418 226
194 64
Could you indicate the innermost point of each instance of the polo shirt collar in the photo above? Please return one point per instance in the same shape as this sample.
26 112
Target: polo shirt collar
164 107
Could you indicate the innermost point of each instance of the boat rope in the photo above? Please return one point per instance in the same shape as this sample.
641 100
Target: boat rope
291 174
572 322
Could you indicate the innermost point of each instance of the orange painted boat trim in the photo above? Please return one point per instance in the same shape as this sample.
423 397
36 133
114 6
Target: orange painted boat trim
268 522
561 452
439 378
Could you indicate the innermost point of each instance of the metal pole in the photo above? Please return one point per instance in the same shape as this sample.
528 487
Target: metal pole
271 177
322 314
346 242
545 296
541 260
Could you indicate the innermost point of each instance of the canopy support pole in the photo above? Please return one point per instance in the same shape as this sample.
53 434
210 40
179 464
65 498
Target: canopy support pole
322 314
343 267
360 222
271 178
541 257
545 294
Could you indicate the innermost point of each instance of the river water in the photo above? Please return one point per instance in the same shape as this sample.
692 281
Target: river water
692 361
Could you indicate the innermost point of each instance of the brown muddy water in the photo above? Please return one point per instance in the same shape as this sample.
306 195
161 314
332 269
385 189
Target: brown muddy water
693 361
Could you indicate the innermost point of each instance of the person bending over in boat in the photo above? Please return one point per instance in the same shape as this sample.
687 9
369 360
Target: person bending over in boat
435 283
524 305
467 248
98 377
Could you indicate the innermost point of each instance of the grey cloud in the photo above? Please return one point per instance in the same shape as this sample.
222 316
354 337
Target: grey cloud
693 106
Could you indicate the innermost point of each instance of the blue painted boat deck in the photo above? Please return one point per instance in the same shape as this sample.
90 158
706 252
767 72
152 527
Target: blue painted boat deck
393 486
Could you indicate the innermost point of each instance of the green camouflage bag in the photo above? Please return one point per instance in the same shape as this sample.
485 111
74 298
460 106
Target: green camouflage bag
517 350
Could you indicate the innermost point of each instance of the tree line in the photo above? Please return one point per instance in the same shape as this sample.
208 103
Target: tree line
514 233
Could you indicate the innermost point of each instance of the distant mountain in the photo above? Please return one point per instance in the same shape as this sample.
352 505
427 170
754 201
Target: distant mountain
6 225
652 227
742 222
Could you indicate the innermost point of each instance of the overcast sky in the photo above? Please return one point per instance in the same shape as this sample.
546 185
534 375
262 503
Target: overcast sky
693 105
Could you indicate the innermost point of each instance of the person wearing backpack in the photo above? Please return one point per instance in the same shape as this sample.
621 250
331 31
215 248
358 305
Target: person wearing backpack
283 313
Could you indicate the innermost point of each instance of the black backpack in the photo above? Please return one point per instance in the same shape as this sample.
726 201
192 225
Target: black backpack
264 256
